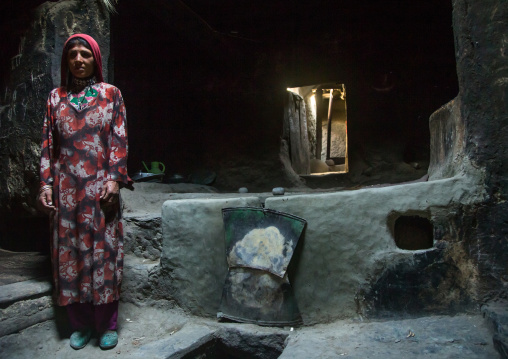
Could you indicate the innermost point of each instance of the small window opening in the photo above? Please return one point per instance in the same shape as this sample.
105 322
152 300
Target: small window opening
413 233
317 119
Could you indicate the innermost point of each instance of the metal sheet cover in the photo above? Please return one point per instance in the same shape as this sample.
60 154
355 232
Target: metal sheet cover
259 246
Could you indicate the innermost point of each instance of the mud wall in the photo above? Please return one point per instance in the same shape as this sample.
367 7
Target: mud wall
363 271
346 265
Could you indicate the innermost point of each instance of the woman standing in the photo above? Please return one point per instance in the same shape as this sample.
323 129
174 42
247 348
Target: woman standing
83 166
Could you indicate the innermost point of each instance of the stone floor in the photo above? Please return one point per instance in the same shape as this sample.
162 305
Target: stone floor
164 332
22 266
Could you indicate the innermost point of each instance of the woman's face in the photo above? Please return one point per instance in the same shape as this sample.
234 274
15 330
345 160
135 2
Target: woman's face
80 61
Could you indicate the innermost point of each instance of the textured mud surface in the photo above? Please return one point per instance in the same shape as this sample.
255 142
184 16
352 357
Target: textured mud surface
162 332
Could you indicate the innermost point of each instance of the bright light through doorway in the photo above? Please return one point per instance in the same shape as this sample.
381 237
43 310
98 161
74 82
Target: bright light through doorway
324 114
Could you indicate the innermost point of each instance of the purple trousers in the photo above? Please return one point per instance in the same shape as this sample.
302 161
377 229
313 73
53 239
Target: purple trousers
86 315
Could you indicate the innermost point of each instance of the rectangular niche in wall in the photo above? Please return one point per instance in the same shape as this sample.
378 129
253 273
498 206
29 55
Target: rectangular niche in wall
316 128
413 233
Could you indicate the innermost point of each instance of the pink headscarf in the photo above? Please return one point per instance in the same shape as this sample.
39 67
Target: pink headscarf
96 56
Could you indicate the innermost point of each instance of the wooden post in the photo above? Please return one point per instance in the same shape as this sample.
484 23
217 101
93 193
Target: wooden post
329 127
319 122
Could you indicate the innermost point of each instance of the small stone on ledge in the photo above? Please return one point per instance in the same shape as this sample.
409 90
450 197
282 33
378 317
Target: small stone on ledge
278 191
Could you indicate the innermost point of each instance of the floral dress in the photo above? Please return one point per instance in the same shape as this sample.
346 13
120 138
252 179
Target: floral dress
84 145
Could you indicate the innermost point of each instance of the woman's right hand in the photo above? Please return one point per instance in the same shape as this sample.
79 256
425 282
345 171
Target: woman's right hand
46 201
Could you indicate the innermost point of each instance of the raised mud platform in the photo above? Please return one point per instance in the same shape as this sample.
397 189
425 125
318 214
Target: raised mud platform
348 263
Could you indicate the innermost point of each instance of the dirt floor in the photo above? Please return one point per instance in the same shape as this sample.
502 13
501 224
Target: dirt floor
162 332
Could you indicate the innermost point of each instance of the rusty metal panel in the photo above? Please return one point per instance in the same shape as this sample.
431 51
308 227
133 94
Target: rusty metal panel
259 246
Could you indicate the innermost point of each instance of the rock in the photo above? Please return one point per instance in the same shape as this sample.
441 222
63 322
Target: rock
243 190
496 313
25 304
138 284
200 341
187 340
501 345
278 191
263 343
24 290
24 314
318 166
143 236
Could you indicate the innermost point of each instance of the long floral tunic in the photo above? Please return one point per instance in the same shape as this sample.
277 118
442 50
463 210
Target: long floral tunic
84 145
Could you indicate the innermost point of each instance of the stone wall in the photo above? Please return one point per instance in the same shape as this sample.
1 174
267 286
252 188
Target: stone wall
480 36
35 72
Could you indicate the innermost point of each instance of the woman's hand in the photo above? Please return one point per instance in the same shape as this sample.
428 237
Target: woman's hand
46 201
110 192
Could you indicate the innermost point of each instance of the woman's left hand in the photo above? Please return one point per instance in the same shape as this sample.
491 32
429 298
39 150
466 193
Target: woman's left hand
110 192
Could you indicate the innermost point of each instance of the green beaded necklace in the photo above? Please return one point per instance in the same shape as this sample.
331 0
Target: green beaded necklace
88 94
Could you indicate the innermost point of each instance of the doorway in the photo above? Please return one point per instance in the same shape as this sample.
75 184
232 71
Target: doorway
316 128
